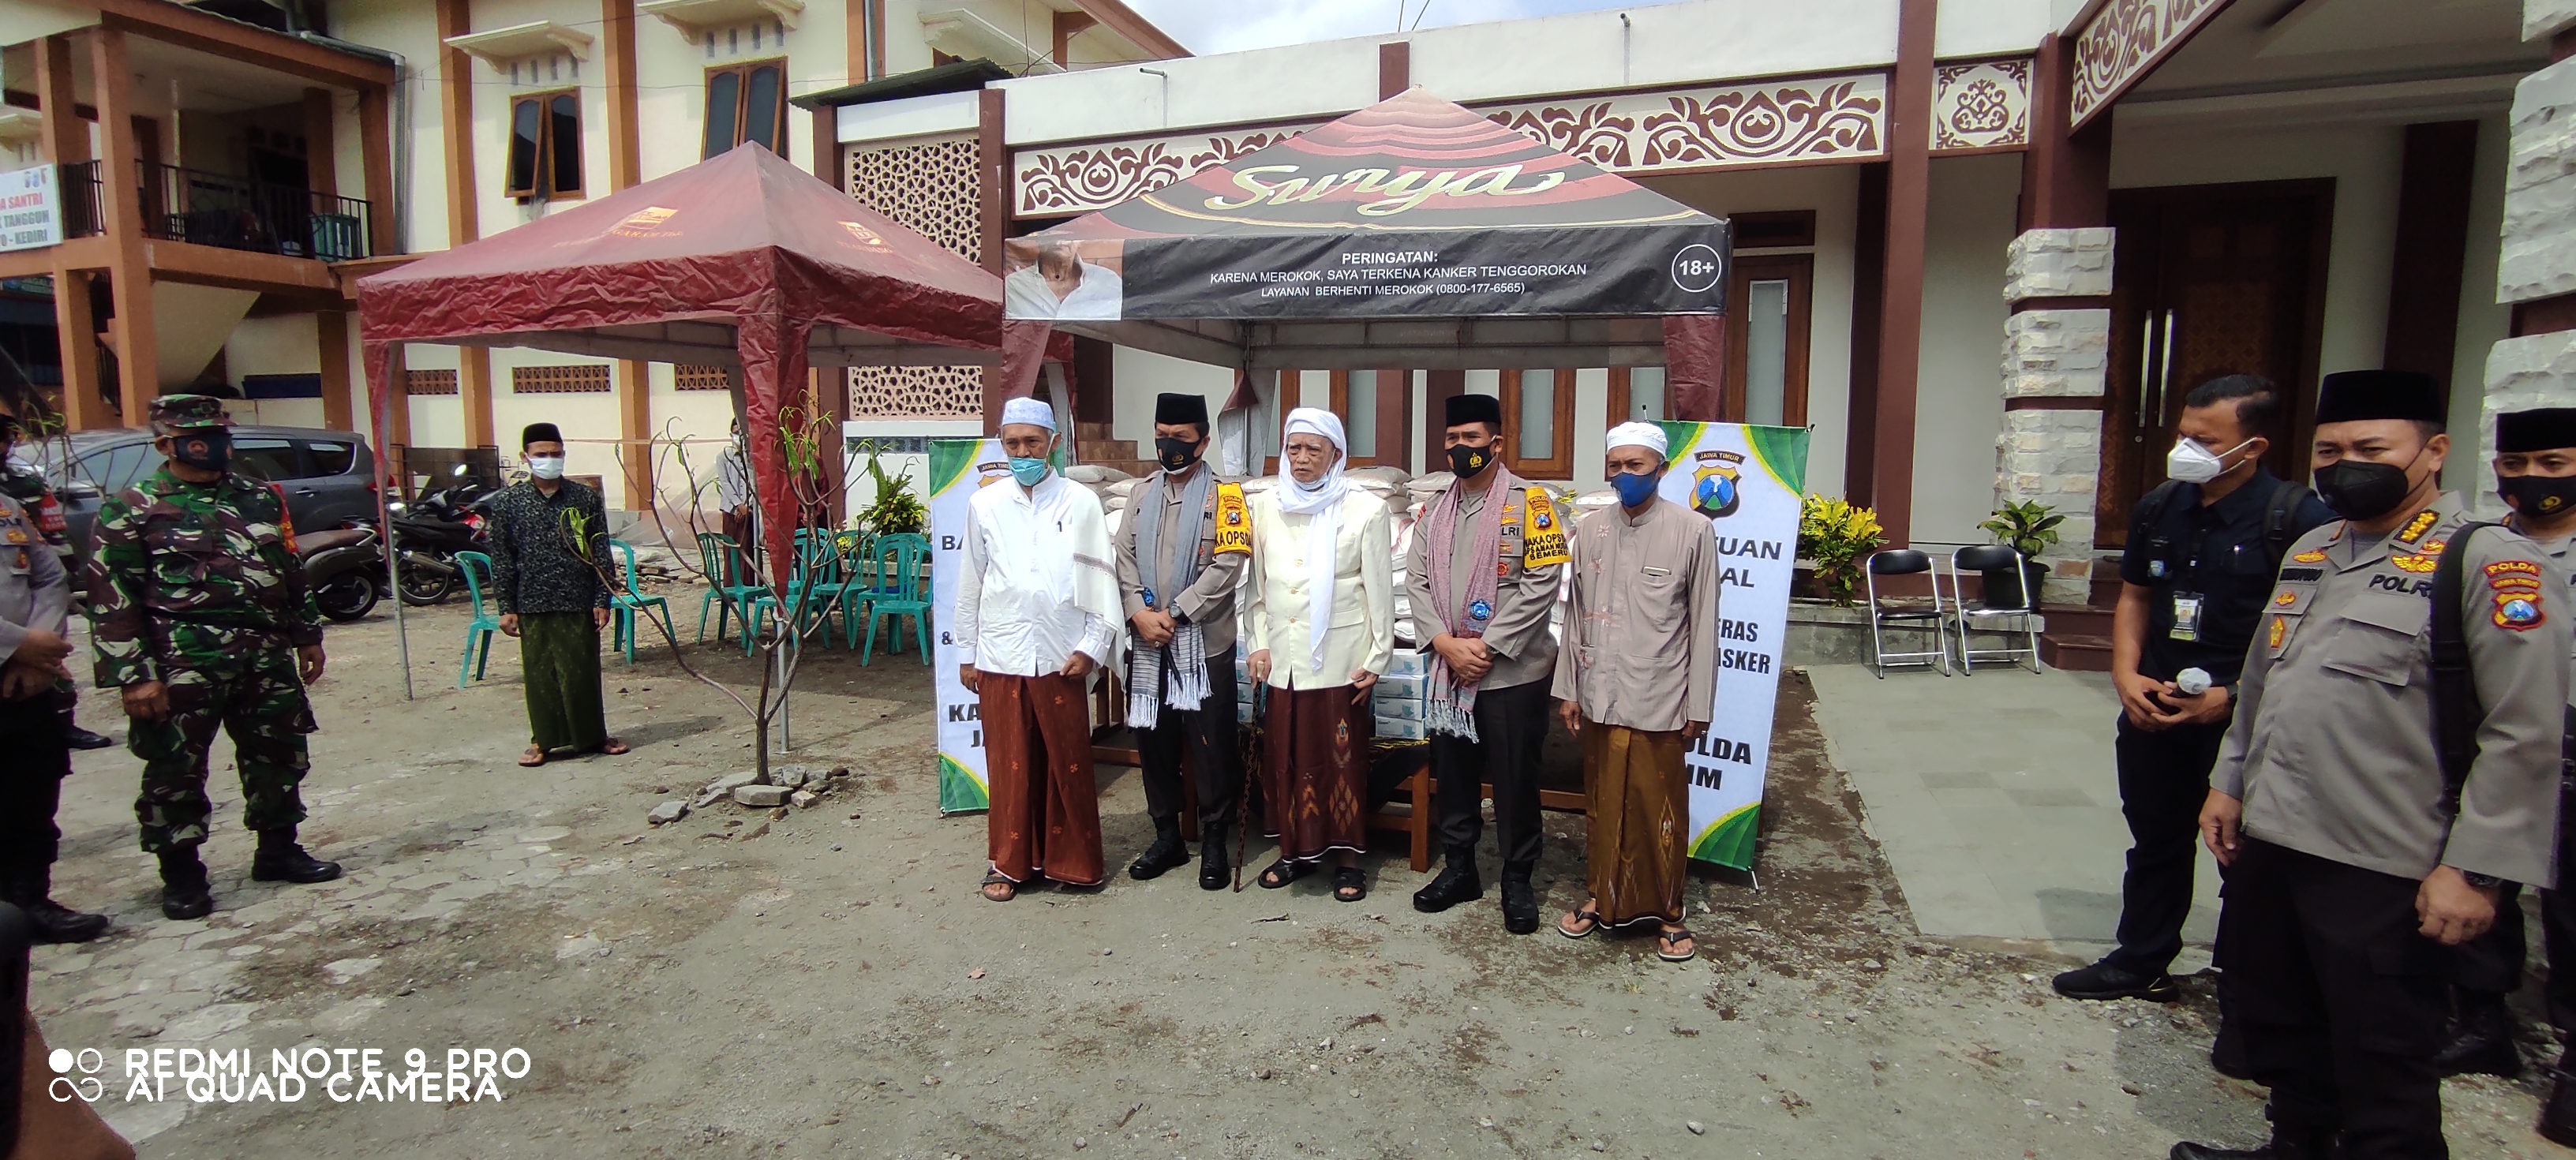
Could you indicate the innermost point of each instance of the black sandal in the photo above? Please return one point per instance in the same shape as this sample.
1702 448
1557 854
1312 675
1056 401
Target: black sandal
1668 939
993 878
1590 917
1283 872
1349 884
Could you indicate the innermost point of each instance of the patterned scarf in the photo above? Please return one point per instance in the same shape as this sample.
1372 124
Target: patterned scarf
1449 702
1183 680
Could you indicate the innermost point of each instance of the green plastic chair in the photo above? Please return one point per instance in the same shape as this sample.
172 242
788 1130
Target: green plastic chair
478 635
897 557
720 559
812 588
631 601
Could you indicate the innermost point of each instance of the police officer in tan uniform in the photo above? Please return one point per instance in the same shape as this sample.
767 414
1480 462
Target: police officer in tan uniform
2351 878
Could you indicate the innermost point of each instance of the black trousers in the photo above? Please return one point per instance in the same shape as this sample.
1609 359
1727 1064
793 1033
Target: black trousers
31 783
2342 1002
2164 779
1207 735
1511 724
2492 962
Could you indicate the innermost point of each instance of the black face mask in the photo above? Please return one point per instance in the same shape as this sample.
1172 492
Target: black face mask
1176 454
2539 496
1465 460
2363 491
205 450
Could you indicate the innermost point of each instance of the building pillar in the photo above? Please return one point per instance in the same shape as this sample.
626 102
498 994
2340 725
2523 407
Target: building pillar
75 328
1900 323
2057 342
138 362
456 121
2536 272
331 340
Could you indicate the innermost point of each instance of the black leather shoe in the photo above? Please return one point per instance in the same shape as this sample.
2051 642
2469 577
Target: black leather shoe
1456 883
281 860
2102 981
2558 1112
2481 1039
183 885
1168 851
1216 866
49 921
79 738
1520 903
2282 1147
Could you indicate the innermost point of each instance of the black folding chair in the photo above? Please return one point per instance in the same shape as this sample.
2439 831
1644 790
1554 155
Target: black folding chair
1910 616
1994 560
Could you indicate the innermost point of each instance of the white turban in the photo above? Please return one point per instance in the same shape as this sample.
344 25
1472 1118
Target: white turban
1031 411
1321 500
1647 435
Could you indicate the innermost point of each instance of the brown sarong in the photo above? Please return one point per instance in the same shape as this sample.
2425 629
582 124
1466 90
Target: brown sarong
1637 802
1044 819
1315 772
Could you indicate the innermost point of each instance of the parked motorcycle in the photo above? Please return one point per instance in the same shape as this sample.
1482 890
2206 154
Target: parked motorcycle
345 569
429 531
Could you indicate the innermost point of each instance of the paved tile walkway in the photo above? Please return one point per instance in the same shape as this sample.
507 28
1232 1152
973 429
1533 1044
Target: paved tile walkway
1994 798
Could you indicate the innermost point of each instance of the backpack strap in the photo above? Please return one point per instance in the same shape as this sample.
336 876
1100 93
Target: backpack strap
2277 514
2456 712
2151 507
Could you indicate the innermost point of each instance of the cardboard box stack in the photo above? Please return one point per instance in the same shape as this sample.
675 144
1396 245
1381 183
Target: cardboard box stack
1398 697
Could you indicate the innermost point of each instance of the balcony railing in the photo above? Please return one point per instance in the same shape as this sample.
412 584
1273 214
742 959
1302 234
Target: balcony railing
214 209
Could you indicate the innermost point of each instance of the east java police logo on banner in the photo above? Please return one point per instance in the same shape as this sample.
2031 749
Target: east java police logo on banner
1716 485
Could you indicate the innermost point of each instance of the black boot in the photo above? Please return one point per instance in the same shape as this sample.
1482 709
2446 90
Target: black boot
281 860
49 921
1167 851
2482 1039
183 885
1520 903
1216 865
2558 1112
2286 1144
1456 883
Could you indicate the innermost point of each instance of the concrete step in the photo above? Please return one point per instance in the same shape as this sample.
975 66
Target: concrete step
2078 619
2076 652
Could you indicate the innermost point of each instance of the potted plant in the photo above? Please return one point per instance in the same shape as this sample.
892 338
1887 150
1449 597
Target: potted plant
1838 537
2029 527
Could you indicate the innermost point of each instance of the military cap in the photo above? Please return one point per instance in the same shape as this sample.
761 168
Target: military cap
180 412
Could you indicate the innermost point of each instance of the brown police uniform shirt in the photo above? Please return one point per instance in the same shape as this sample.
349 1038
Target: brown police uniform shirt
1210 602
2332 749
1524 598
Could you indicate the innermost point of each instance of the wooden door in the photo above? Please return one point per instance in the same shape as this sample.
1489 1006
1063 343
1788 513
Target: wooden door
2207 281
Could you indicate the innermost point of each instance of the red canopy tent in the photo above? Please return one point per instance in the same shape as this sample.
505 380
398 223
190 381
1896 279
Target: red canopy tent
742 261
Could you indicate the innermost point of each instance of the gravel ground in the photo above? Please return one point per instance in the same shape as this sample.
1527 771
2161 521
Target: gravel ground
825 982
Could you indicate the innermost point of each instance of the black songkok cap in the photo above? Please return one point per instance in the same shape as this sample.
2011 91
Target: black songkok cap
539 433
2350 396
2545 429
1176 408
1473 409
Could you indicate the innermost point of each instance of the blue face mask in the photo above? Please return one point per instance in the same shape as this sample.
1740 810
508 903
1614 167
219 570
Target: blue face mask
1028 471
1634 490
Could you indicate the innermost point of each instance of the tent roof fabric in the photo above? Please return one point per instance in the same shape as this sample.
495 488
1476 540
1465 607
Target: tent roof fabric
662 270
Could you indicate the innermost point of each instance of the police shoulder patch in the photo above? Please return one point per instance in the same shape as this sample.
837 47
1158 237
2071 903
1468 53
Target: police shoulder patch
2519 611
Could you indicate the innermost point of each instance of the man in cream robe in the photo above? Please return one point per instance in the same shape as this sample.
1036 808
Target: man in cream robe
1037 606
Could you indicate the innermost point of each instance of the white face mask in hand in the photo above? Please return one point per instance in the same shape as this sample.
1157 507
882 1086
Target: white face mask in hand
546 466
2192 463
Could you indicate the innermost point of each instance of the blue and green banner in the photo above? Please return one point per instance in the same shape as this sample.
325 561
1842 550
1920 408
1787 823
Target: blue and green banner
957 468
1748 481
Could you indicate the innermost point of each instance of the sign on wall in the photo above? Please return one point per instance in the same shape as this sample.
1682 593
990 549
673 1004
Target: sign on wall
957 468
1748 481
31 208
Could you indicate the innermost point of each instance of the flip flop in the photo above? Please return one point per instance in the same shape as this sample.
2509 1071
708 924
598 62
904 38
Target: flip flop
533 758
1668 939
1590 918
614 747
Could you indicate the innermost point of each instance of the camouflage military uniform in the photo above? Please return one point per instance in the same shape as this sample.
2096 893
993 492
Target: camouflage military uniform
197 585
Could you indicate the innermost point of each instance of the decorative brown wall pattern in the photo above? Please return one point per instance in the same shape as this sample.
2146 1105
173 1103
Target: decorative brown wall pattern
1814 119
1981 105
932 188
2124 40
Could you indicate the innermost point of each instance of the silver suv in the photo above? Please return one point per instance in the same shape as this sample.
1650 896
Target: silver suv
328 476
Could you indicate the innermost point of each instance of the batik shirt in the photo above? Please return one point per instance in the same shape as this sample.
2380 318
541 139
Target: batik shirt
536 566
194 575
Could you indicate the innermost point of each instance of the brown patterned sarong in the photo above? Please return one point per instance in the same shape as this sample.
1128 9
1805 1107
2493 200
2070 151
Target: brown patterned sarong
1045 815
1638 806
1315 772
